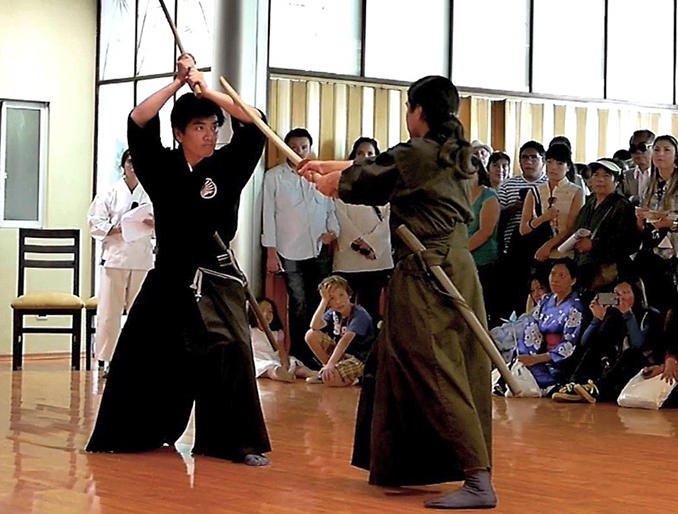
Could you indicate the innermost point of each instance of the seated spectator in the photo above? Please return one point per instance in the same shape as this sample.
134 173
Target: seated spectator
267 361
506 336
610 218
554 204
337 326
623 337
482 232
635 181
669 367
512 192
585 173
482 151
498 169
363 254
553 330
657 261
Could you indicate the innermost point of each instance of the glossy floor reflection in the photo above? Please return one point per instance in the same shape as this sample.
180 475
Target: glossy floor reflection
549 458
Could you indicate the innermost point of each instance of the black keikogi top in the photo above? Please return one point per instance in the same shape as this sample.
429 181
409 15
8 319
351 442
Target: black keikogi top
190 205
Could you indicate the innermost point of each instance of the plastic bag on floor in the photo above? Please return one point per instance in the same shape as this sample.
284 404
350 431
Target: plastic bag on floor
529 386
645 393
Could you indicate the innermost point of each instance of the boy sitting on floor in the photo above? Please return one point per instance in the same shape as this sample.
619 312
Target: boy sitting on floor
336 324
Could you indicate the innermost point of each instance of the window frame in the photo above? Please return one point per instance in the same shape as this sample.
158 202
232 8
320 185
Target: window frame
43 109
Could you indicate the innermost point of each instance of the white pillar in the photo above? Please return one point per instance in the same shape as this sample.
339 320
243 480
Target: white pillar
241 56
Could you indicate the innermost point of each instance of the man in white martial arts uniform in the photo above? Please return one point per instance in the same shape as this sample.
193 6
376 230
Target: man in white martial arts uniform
124 264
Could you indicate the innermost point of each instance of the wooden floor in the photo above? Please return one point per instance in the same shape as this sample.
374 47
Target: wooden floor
549 458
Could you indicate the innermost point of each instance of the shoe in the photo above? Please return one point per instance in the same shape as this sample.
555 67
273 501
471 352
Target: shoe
314 380
588 391
567 394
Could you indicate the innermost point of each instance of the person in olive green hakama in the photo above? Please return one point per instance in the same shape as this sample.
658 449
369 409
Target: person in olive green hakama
426 415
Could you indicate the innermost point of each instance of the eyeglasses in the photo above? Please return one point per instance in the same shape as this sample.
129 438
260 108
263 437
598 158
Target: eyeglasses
530 157
640 147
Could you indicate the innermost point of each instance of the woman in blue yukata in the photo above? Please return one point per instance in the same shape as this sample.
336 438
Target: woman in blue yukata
552 332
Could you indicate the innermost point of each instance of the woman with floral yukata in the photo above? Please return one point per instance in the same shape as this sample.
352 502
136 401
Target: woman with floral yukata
554 328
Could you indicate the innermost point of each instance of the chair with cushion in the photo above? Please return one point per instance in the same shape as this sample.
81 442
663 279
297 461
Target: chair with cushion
90 328
57 249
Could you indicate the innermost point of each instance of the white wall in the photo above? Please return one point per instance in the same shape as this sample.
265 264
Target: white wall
48 53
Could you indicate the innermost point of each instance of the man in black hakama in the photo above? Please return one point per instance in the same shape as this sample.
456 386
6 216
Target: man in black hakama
186 339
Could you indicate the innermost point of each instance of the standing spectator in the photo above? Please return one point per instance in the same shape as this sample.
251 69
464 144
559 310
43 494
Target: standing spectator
124 264
299 224
511 199
498 169
557 202
658 259
610 218
482 242
482 151
635 181
513 191
363 254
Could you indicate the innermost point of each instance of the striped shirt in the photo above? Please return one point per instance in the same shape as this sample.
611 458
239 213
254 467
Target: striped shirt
509 193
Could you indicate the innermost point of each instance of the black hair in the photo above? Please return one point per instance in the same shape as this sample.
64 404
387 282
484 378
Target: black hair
299 132
639 295
439 101
124 157
644 133
533 145
276 324
498 156
359 142
562 153
189 107
561 140
655 178
622 154
572 268
483 176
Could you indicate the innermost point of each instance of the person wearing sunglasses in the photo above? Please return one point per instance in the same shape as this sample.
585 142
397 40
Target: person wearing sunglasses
635 181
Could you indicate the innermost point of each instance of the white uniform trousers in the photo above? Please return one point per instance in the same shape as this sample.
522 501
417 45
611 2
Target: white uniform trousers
119 288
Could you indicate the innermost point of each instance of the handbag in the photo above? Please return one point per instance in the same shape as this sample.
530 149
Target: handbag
645 393
523 247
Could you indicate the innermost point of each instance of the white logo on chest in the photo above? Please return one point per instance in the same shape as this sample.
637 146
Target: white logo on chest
209 189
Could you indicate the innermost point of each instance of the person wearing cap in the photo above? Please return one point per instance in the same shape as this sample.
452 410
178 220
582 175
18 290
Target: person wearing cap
482 151
611 219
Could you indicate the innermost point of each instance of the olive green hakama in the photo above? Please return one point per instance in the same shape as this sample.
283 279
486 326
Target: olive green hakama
425 413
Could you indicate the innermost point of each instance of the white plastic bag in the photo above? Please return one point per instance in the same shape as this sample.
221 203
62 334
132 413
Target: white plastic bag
645 393
529 386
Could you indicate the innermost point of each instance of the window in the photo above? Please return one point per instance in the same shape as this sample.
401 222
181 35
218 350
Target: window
568 48
316 35
23 160
405 40
640 51
490 44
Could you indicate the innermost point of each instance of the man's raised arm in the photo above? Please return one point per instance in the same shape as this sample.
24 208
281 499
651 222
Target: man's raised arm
149 108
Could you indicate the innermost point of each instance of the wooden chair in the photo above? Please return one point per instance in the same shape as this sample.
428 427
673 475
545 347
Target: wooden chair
90 329
51 303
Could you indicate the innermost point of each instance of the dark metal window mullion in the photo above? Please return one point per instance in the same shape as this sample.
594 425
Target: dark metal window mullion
530 42
363 37
606 32
450 42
